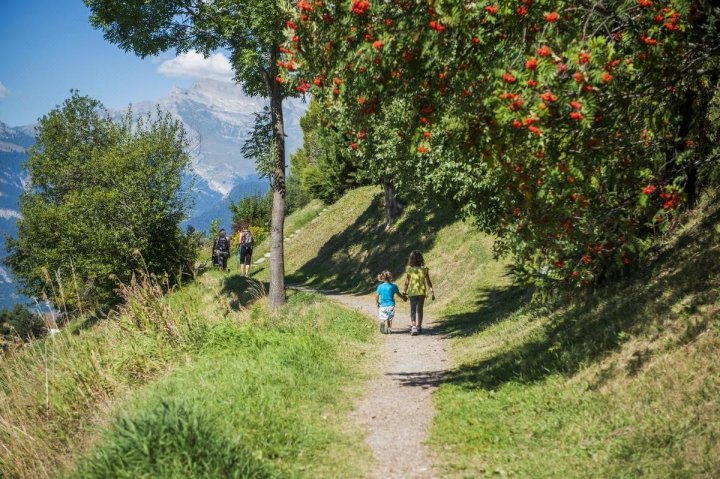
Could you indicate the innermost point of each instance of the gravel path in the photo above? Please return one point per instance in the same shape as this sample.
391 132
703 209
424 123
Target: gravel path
397 408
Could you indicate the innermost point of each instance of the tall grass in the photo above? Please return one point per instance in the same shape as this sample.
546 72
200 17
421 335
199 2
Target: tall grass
188 362
261 398
54 393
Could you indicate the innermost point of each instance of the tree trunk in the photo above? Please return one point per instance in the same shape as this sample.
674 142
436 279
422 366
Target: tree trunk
393 206
277 225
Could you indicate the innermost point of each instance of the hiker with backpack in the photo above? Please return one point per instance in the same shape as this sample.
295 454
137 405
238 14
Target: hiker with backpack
245 250
221 248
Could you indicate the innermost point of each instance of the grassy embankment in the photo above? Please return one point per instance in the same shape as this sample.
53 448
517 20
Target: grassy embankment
624 383
621 384
190 384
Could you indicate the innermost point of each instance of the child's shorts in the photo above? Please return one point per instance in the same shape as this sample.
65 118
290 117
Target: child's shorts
386 313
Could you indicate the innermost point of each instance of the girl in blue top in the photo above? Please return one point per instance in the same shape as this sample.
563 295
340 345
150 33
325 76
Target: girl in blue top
385 299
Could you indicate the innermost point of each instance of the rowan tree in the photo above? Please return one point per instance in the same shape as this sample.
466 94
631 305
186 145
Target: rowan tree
570 130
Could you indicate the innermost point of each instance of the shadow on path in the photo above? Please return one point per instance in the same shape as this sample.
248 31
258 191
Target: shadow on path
424 379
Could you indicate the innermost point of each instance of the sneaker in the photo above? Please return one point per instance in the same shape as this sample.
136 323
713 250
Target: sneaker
382 327
413 331
389 330
419 330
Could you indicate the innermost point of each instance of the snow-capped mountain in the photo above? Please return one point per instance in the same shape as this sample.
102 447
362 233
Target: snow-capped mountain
13 142
219 117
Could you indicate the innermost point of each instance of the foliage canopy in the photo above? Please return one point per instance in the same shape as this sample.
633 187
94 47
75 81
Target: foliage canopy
106 198
571 131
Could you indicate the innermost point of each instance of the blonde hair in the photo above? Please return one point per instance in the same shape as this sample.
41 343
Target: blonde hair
385 276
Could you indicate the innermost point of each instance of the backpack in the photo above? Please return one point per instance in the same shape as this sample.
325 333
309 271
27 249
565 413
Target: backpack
223 244
247 238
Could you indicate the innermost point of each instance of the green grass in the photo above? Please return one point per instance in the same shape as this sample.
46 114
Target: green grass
259 399
348 245
203 381
621 383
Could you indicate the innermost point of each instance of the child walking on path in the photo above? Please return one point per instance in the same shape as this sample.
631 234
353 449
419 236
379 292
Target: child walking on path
417 282
385 298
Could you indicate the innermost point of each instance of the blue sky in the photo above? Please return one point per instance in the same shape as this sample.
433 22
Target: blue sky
48 47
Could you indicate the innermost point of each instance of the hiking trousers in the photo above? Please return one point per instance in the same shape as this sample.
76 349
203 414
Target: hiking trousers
416 306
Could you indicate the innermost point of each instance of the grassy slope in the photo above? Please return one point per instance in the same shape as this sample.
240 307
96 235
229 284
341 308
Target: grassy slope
191 384
344 246
622 384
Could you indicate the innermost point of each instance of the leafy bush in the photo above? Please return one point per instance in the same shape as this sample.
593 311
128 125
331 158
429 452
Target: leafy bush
171 441
106 198
20 323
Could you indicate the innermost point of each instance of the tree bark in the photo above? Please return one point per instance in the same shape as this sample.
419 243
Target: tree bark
393 206
277 225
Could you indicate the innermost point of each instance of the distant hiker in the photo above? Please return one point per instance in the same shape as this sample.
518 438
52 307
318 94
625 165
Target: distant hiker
417 282
245 250
385 298
221 247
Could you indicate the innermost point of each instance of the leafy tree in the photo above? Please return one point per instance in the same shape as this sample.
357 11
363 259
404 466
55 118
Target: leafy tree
106 198
325 167
215 226
253 32
253 210
20 323
571 130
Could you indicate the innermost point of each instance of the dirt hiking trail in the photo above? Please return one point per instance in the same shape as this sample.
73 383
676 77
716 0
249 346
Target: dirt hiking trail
397 408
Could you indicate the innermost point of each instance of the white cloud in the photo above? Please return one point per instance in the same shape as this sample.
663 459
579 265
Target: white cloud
5 276
3 91
194 64
7 214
